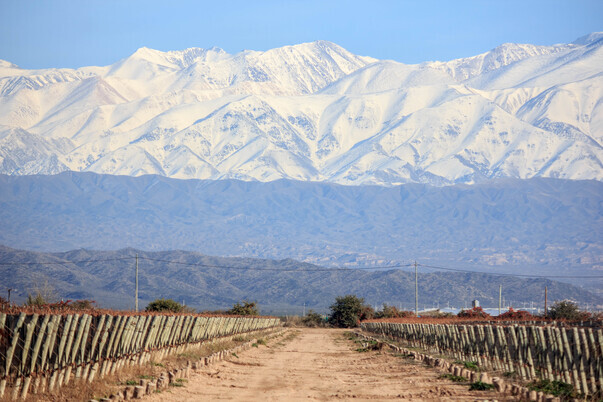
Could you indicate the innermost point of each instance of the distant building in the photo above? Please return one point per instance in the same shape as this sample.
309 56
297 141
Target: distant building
475 303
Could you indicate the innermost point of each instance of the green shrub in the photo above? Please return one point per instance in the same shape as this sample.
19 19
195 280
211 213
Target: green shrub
480 386
567 310
557 388
313 319
164 305
393 312
468 365
347 311
244 308
454 378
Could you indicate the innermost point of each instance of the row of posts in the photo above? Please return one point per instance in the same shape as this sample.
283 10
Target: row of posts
570 355
52 349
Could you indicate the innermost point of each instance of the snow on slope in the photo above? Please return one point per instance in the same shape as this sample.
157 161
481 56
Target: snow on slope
312 112
503 55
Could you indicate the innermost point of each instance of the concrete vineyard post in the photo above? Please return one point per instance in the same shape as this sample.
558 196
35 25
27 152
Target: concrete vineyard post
11 351
586 368
47 350
29 330
567 354
76 345
578 362
598 360
34 356
99 326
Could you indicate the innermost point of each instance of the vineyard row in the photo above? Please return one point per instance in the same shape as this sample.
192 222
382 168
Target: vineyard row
570 355
40 353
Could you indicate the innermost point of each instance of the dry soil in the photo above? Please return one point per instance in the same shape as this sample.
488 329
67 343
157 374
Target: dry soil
322 365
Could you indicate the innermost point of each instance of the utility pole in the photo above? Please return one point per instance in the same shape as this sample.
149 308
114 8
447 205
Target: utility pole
136 292
499 299
545 301
304 309
416 291
9 290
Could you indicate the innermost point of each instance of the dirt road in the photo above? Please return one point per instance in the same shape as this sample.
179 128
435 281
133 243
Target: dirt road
318 364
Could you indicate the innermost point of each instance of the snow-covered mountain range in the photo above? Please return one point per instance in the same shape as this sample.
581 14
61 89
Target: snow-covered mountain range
312 112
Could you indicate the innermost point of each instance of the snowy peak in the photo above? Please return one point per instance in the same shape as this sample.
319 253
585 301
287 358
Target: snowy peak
312 111
588 39
7 64
301 69
500 56
179 59
291 70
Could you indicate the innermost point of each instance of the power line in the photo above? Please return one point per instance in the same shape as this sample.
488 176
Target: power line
324 269
507 274
67 261
207 265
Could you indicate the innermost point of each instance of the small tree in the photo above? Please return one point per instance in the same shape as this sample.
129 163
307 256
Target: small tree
567 310
348 310
387 312
35 300
393 312
366 313
313 319
164 305
244 308
41 295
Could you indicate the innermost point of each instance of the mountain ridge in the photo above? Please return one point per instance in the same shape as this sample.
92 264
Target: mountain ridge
279 286
314 112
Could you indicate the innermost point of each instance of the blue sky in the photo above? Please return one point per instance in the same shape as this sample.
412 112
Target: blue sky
69 33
